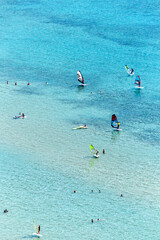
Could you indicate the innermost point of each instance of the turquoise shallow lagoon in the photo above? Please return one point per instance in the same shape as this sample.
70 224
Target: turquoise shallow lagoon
42 160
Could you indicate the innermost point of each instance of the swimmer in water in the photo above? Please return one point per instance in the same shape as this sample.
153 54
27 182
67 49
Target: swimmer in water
28 84
121 195
92 220
74 191
104 151
99 191
15 83
7 82
5 211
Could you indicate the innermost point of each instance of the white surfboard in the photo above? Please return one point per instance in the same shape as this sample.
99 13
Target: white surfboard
19 117
139 87
117 129
36 235
83 84
80 127
96 155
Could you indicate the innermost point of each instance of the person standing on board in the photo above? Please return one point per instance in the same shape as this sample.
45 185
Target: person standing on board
39 229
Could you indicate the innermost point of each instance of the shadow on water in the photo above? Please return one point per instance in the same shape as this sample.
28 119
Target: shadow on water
115 135
28 91
137 91
80 88
92 162
31 237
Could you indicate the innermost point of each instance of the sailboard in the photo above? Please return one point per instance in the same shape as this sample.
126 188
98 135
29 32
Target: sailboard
81 79
117 129
114 123
129 71
19 117
36 235
94 151
80 127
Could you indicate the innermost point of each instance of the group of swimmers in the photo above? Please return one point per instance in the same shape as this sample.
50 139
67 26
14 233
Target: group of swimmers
27 83
91 191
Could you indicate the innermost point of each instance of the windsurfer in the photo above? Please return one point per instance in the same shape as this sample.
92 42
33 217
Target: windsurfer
80 77
132 71
39 229
114 120
118 125
138 81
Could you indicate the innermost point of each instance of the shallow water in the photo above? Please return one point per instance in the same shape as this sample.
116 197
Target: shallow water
43 160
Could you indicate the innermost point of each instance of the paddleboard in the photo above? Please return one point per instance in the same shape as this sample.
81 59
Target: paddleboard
80 127
36 235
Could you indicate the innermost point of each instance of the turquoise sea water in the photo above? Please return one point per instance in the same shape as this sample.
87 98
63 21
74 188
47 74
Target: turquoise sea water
42 160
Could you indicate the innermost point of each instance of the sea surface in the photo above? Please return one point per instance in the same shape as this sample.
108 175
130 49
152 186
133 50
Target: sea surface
42 159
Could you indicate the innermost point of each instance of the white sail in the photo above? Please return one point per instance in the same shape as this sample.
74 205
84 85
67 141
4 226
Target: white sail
80 77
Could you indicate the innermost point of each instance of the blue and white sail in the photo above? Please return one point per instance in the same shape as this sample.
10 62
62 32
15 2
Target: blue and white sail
138 81
114 121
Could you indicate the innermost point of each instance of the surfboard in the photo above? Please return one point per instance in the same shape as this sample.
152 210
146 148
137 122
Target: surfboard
80 127
36 235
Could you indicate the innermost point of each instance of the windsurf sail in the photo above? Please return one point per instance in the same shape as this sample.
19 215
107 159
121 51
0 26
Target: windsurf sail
114 121
129 71
127 68
80 77
93 150
138 81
